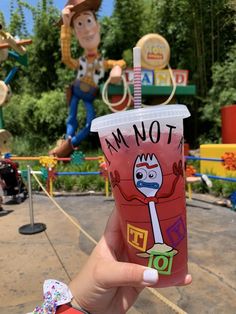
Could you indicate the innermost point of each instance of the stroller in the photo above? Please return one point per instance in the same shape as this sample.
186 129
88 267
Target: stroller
11 181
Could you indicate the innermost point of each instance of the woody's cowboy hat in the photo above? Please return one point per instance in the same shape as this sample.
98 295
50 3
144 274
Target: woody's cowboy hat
83 5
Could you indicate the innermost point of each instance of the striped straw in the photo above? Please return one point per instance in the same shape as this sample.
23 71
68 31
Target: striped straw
137 78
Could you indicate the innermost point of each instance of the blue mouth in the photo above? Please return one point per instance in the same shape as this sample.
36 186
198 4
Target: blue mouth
150 185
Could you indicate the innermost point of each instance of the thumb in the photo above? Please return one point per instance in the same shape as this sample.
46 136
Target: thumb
117 274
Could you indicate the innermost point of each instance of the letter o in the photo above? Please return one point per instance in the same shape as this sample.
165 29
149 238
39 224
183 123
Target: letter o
158 259
158 132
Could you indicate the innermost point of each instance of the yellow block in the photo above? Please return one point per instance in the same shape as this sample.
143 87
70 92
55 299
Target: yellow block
216 151
162 77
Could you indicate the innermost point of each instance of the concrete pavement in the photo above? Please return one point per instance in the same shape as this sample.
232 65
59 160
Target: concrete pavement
59 252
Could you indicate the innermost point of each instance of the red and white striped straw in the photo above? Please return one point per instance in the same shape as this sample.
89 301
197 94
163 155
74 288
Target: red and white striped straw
137 77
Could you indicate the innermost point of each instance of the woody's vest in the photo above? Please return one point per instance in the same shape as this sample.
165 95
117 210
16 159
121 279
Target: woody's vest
89 74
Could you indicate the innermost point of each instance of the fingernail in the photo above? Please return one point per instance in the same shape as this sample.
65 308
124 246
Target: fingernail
150 275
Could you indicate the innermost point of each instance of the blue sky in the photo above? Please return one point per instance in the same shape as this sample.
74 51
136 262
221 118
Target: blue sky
106 8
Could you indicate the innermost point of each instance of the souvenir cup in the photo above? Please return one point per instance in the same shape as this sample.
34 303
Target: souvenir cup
143 149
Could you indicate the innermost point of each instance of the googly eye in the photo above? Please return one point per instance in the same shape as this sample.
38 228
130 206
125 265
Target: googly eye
141 174
152 174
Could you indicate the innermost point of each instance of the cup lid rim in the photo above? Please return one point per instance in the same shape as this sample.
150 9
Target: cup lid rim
137 115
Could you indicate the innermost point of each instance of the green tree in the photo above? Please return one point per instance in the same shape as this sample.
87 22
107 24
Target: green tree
124 28
222 93
199 33
44 53
2 20
111 37
17 25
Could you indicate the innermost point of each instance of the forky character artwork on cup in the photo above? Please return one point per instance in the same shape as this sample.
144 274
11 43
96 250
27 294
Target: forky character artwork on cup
148 179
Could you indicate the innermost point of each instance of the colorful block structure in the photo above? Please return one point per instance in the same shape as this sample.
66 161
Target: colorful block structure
216 151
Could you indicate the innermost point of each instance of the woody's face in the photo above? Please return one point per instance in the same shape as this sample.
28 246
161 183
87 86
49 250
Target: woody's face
87 30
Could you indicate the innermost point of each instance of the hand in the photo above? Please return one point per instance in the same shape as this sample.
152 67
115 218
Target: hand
107 283
115 74
67 15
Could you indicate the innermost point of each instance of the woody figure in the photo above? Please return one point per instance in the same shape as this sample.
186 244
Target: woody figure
79 15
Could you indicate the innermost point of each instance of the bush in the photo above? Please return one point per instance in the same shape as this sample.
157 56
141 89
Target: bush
50 115
40 121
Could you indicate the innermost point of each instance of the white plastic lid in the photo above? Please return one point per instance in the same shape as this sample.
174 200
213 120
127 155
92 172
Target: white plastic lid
136 115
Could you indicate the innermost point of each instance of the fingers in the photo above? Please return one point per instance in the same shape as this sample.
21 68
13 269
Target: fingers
67 14
187 280
117 274
115 74
112 241
113 224
68 8
112 235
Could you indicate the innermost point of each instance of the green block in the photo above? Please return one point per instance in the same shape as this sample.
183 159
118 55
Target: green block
166 260
44 173
77 158
24 174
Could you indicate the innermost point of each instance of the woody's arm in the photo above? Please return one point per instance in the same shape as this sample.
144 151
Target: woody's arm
116 67
109 64
65 48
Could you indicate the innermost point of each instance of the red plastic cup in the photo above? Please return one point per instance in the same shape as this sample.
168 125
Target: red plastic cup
144 151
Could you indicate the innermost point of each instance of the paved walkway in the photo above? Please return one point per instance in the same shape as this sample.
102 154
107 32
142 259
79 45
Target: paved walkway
27 260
